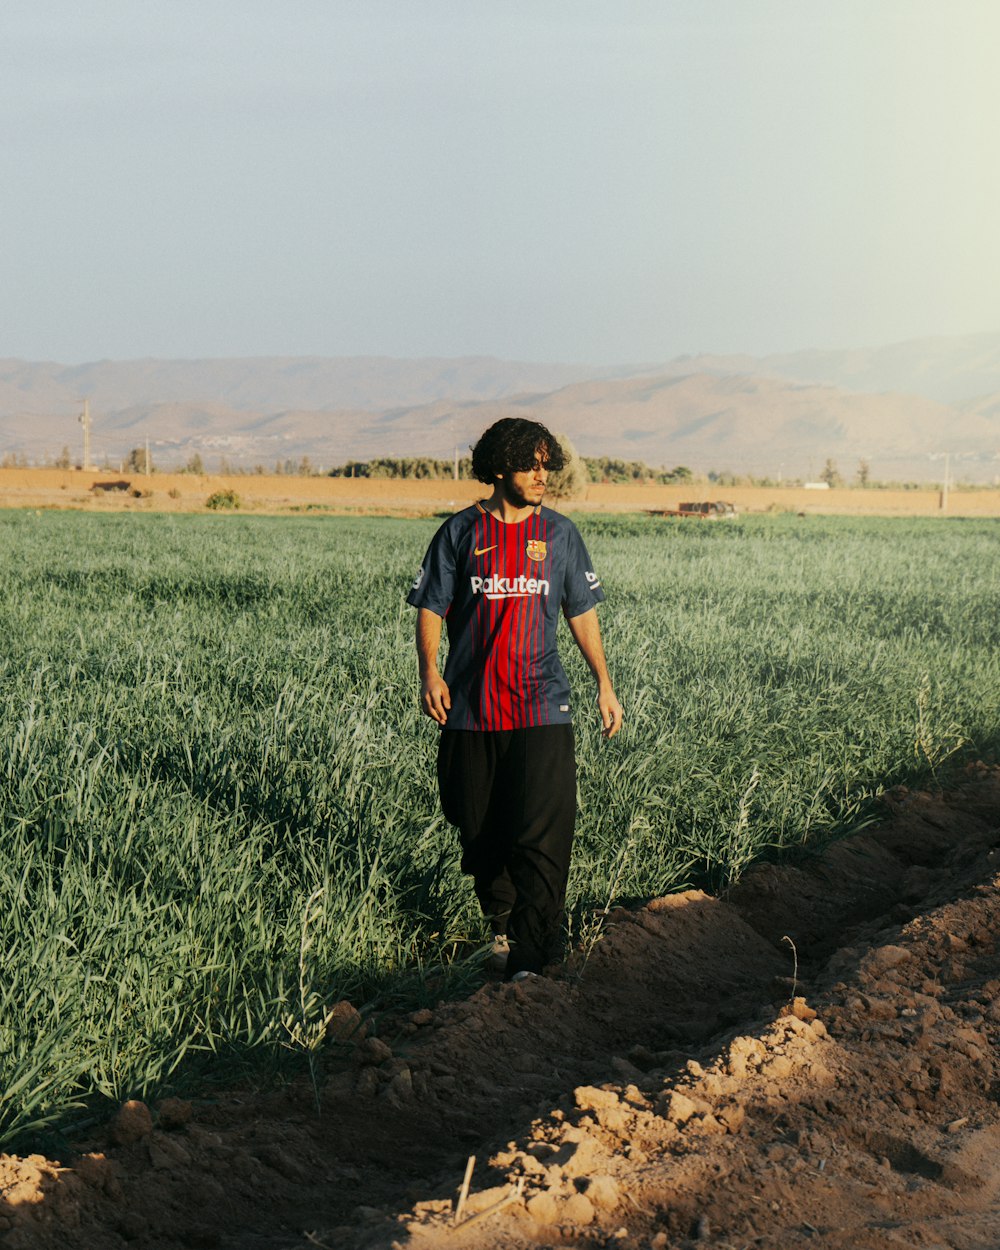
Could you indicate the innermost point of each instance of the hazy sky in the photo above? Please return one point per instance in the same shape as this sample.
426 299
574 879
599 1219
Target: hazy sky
537 179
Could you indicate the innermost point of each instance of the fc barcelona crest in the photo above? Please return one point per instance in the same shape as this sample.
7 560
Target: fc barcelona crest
536 549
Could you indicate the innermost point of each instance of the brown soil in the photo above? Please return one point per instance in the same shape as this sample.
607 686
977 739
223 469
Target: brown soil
688 1083
272 494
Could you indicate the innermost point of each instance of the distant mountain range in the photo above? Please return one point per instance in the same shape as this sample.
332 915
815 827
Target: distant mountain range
949 370
901 408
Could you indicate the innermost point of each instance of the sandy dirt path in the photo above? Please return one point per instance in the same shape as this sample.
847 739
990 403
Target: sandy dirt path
280 494
810 1059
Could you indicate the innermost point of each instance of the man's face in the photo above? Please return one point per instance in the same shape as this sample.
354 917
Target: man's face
525 489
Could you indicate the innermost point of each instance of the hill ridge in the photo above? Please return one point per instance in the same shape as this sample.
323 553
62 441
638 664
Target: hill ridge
771 415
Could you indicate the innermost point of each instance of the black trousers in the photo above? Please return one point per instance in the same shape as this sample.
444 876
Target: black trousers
512 794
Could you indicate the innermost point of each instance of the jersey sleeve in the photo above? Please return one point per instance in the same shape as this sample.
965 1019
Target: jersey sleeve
434 585
582 587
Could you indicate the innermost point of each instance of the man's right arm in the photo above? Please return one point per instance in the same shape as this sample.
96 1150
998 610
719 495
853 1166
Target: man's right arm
434 694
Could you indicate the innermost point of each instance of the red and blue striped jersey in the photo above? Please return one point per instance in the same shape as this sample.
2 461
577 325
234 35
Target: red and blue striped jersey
500 589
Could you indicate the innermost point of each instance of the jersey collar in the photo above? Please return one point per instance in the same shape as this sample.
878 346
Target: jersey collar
537 510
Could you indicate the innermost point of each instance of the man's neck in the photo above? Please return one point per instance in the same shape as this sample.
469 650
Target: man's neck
504 510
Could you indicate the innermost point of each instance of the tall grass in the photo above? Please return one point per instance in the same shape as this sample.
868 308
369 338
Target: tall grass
779 673
218 811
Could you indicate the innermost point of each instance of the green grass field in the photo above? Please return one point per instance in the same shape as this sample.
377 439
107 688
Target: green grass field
219 813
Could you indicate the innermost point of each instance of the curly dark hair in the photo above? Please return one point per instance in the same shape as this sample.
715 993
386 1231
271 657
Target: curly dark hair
511 446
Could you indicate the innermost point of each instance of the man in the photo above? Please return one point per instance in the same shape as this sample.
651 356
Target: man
499 573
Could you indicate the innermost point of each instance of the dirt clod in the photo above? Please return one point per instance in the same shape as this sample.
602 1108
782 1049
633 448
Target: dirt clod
131 1123
174 1113
578 1209
603 1192
374 1050
344 1023
677 1107
543 1208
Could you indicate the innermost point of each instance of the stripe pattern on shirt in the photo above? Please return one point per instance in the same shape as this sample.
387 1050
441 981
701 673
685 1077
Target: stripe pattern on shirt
508 628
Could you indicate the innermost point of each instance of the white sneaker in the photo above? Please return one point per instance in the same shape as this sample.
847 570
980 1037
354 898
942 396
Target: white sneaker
499 952
526 975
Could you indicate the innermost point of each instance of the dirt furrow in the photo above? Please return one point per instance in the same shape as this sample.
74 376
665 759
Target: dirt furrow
811 1057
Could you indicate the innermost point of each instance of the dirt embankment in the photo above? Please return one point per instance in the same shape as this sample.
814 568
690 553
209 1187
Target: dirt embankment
809 1060
287 493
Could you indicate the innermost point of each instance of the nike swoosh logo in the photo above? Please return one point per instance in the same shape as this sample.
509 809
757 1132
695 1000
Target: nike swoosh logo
481 551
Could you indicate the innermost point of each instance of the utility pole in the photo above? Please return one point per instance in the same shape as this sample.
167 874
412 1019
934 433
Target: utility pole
944 489
147 455
456 464
85 422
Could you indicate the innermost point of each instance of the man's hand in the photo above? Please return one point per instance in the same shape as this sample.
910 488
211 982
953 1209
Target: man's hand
587 636
610 710
435 697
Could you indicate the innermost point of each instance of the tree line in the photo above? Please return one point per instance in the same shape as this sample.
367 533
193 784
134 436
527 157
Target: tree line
580 471
598 469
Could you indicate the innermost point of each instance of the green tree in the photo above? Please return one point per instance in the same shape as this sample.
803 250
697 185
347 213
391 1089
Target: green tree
573 479
223 500
136 461
830 475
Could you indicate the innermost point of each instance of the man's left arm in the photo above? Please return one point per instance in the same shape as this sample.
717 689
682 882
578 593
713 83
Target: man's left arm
587 635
